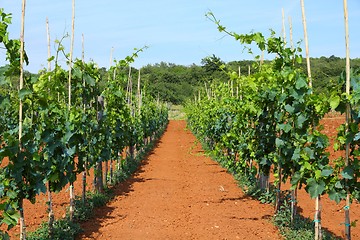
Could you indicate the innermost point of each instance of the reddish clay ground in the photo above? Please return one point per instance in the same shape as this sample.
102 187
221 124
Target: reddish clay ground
178 193
181 194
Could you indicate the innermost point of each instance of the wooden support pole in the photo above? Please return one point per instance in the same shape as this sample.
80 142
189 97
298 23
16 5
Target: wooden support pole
71 189
22 57
306 42
291 33
348 119
139 92
283 26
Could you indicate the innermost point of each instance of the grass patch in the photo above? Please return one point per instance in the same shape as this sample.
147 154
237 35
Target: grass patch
176 112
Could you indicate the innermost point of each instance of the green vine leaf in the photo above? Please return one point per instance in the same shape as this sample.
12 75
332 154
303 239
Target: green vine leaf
334 102
24 92
315 188
348 173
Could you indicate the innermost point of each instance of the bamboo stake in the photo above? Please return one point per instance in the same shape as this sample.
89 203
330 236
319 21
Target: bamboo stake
139 92
50 206
83 196
279 166
348 119
106 161
317 217
71 52
111 57
22 34
105 174
283 26
129 93
291 37
278 188
48 41
114 76
71 190
129 88
306 42
237 88
294 193
291 33
249 70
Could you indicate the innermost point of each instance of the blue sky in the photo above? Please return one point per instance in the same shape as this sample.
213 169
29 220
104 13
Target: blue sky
177 31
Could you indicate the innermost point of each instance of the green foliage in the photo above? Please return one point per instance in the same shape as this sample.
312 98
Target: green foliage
83 212
61 139
64 229
273 119
300 229
250 186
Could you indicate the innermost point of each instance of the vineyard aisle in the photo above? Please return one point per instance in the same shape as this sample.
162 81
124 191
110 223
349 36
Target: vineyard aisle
178 193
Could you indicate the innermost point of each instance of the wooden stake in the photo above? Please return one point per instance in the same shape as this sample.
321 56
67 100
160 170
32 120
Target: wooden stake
83 196
50 204
291 34
48 45
21 83
71 52
283 26
139 92
71 190
306 42
22 34
114 77
111 57
278 188
348 120
129 87
317 217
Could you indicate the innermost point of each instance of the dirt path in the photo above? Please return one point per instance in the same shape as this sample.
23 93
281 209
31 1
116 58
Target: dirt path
178 194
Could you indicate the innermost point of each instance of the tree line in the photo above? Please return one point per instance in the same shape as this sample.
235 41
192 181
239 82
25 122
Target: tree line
176 84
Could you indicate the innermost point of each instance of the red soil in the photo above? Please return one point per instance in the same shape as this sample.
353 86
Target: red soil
179 193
